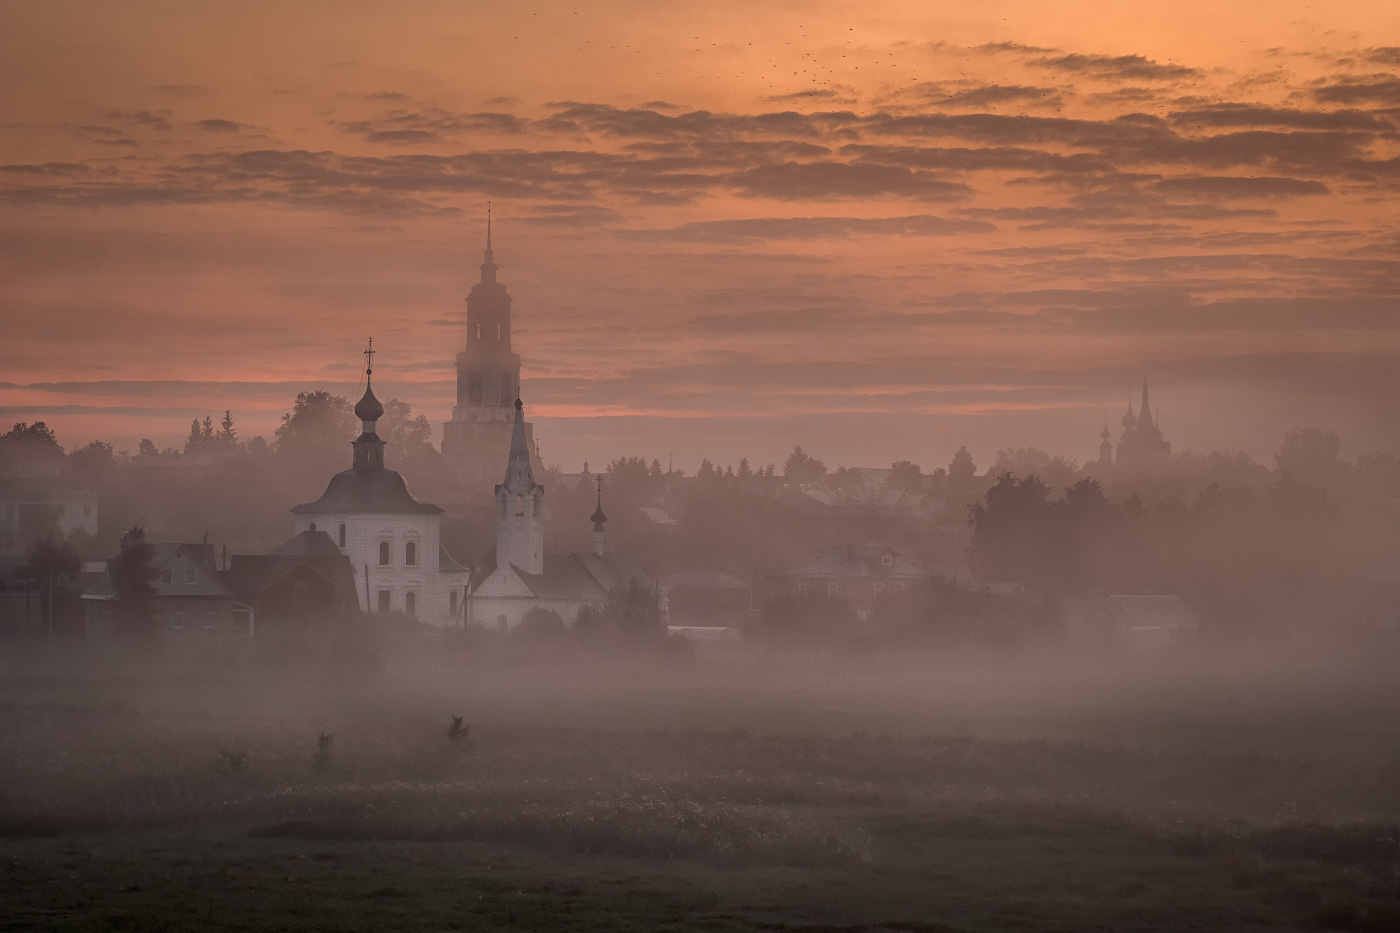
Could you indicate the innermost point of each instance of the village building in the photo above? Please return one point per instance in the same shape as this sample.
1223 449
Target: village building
305 586
31 507
478 437
391 539
519 576
192 603
859 574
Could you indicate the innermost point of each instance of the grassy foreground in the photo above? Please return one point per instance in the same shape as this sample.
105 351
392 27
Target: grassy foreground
736 795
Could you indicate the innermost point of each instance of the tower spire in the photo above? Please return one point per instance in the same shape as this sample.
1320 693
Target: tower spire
598 518
488 265
488 231
369 449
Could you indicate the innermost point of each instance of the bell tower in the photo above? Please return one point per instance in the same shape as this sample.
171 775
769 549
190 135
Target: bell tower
520 507
478 437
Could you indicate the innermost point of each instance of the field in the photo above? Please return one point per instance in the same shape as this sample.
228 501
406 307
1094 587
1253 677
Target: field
1040 793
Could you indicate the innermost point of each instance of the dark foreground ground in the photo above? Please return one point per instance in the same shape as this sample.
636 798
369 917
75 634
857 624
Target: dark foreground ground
1040 794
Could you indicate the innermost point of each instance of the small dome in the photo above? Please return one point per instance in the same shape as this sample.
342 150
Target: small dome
1130 420
369 408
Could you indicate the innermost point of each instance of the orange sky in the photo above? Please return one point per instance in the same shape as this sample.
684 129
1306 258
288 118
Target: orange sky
880 230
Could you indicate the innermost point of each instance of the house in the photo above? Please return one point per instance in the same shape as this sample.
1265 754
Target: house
519 576
391 539
30 508
306 583
860 574
192 603
705 598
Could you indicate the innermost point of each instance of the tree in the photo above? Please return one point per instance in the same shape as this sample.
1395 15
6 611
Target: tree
540 625
1309 456
48 563
133 584
227 439
29 443
706 471
147 448
633 612
745 471
313 438
92 461
961 469
1058 472
630 473
803 470
905 476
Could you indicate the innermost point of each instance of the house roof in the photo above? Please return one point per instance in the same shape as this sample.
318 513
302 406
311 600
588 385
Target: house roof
378 491
168 555
250 574
581 576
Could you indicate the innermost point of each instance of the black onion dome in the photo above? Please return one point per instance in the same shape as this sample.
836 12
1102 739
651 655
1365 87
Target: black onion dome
382 491
369 407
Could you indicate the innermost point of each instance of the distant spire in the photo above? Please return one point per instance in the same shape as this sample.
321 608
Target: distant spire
1144 410
598 518
488 266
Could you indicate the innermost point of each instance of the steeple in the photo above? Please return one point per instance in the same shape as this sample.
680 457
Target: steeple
598 518
488 267
1129 419
519 477
1145 411
520 506
1105 442
368 448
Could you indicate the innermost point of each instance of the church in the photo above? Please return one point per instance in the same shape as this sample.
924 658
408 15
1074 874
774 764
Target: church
519 576
478 437
391 538
1141 446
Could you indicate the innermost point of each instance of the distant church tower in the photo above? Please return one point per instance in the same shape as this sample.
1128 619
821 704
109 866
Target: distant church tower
1142 446
478 437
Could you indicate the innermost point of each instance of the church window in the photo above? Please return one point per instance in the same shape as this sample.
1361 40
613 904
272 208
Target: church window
498 332
383 600
342 534
313 527
519 505
383 553
410 554
536 508
474 388
452 602
410 604
879 588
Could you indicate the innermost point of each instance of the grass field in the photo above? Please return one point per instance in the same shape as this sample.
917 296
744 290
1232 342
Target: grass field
744 794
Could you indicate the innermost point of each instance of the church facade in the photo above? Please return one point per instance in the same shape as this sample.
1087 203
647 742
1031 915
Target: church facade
520 576
477 439
391 538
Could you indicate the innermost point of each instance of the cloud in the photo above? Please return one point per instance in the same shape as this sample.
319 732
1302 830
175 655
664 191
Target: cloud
1117 67
991 95
220 126
809 228
1221 186
184 90
794 181
1236 114
1371 89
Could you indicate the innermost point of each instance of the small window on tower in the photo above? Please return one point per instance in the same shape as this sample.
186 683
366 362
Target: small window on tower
519 505
410 554
383 553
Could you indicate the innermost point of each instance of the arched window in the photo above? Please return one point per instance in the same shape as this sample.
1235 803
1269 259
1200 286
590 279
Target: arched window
313 526
383 553
410 554
519 505
410 604
342 534
452 602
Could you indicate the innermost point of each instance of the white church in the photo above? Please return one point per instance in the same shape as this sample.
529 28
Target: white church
520 576
391 538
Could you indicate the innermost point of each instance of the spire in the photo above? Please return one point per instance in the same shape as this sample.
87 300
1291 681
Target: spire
519 477
598 518
368 448
488 266
1145 412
